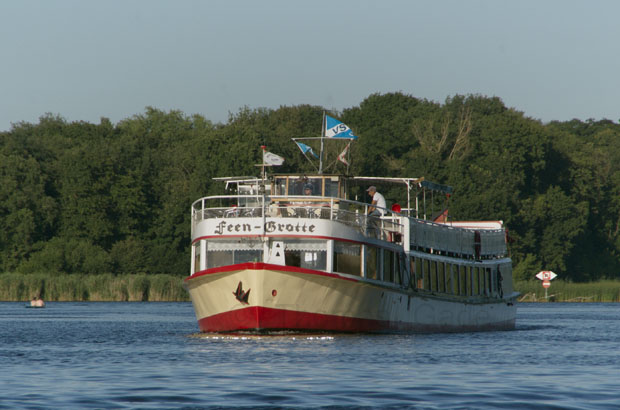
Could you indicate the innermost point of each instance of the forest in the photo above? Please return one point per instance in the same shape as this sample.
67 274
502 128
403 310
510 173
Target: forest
82 198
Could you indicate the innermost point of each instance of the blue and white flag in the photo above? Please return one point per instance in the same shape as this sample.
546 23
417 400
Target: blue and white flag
336 129
306 149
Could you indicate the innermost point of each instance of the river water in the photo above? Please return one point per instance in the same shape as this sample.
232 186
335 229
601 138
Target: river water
149 355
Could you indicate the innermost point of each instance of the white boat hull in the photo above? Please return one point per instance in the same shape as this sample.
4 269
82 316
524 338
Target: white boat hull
263 297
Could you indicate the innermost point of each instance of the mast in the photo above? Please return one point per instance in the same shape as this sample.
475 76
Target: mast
322 139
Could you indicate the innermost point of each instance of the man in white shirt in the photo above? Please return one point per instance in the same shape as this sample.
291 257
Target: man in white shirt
377 206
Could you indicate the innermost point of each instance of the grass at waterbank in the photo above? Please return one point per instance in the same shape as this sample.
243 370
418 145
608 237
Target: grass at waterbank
94 288
168 288
561 291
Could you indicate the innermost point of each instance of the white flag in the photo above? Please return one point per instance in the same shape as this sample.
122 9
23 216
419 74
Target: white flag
269 158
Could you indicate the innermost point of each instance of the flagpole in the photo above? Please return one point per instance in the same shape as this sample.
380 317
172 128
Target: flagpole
349 156
322 140
264 147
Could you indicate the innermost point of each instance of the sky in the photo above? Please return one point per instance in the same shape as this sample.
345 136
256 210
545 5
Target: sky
88 59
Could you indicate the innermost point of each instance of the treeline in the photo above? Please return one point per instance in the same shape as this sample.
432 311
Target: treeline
82 198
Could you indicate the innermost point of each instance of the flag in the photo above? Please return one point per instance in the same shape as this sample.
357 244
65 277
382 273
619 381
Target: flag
343 155
306 149
269 158
336 129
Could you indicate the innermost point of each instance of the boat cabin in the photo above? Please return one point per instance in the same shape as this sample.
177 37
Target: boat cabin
309 222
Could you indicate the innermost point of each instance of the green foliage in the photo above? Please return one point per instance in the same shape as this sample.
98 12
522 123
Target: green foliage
80 198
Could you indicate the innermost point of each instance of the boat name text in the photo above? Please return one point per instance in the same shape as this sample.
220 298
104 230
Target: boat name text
270 227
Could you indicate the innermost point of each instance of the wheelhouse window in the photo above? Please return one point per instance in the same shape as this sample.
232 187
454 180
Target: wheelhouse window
328 186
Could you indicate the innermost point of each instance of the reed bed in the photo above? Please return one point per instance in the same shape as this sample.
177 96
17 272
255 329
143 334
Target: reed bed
561 291
99 288
168 288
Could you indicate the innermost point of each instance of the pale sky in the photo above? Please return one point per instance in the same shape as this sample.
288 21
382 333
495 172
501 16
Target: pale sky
87 59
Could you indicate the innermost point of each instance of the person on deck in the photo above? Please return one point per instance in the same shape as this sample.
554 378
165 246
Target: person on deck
377 206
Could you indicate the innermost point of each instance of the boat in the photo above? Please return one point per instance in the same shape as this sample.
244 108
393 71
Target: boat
268 257
36 303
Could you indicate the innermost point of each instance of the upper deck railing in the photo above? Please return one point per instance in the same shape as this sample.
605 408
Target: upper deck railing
423 235
350 213
449 240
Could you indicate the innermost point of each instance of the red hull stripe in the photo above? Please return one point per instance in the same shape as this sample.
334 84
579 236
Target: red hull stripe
265 266
262 318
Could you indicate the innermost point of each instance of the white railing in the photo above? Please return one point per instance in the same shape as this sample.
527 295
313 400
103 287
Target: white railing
423 235
350 213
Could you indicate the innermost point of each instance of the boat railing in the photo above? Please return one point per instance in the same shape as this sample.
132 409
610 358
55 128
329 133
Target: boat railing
350 213
463 242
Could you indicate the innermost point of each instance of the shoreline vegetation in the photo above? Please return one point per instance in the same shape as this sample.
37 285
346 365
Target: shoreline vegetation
562 291
144 287
92 288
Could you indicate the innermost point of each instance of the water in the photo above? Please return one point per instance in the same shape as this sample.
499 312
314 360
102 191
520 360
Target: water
148 355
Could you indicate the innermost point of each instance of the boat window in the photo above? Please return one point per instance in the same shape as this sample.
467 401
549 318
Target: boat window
196 266
476 281
463 280
453 283
280 186
298 186
230 252
306 244
419 273
401 271
426 278
433 274
372 262
487 281
388 265
304 253
347 258
441 277
331 187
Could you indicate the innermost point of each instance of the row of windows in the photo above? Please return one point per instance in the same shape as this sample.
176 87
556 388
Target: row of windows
463 280
380 264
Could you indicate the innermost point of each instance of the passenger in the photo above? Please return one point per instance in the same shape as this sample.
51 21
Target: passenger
33 302
377 206
308 190
40 302
306 211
